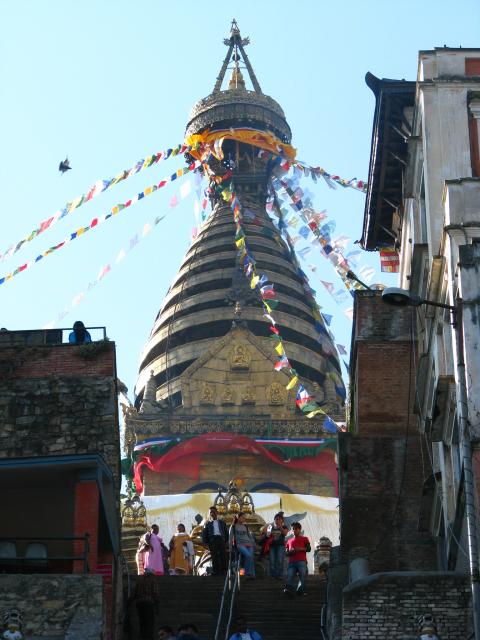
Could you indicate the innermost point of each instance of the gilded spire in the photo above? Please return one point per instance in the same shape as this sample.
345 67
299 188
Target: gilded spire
235 53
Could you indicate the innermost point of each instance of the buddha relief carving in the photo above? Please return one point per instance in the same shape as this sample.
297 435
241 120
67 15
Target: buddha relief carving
276 394
249 396
206 394
228 395
240 357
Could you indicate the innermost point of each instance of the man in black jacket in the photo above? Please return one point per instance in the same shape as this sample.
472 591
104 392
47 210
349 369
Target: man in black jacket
215 536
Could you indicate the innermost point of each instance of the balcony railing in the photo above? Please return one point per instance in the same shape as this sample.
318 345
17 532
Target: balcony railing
11 562
45 336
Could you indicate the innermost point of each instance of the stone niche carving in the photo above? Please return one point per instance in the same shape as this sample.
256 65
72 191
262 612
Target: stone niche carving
249 396
207 394
228 395
240 356
276 394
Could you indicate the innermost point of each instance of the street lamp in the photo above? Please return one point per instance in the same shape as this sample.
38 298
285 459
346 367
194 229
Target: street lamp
403 298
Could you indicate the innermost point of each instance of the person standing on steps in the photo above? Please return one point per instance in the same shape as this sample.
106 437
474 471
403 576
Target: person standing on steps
179 556
243 632
274 545
245 543
296 550
153 560
215 537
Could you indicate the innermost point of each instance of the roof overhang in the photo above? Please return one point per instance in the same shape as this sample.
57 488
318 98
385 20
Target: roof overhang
388 158
31 471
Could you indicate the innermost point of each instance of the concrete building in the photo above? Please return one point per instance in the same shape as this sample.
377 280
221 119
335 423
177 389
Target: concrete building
60 477
407 458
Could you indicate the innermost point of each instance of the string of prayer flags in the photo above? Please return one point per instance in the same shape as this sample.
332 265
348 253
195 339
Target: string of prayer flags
332 180
96 189
97 221
147 229
322 233
259 282
389 261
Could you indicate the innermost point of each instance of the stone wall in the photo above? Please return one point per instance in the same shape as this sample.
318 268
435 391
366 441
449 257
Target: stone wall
390 604
66 606
59 400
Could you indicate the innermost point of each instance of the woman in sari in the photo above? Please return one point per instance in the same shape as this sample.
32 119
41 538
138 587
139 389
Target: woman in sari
153 561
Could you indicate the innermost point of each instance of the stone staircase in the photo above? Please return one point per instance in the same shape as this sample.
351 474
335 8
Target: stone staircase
177 600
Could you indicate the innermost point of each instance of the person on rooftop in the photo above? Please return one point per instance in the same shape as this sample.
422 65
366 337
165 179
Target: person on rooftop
79 335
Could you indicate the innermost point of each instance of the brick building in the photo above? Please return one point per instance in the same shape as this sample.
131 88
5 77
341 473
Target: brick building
60 479
406 462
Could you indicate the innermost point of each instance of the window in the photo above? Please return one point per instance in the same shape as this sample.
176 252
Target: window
473 125
472 66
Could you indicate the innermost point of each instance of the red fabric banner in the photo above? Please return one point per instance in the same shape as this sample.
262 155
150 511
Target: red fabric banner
389 260
185 458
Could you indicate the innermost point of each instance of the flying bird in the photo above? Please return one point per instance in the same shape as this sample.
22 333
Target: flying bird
64 165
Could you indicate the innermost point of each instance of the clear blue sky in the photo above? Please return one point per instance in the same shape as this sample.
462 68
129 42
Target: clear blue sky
109 82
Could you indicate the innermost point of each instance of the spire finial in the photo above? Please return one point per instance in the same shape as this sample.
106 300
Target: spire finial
236 52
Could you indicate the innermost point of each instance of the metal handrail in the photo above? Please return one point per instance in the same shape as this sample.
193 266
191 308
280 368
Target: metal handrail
236 583
232 568
45 332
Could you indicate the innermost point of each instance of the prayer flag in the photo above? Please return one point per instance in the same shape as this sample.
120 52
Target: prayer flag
185 189
389 261
279 349
330 425
292 383
281 364
315 412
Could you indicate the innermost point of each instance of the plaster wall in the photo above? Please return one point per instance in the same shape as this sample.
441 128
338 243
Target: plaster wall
446 148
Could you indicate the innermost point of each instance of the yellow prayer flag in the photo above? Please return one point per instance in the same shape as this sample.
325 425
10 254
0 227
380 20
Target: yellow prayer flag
254 281
115 210
74 204
148 191
292 383
279 349
314 412
240 242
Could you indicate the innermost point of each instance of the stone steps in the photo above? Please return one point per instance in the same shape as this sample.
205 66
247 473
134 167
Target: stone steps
177 600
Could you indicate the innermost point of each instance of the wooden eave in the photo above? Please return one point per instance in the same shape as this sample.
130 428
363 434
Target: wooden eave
388 158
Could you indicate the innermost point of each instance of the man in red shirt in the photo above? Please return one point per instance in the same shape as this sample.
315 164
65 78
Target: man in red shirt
296 550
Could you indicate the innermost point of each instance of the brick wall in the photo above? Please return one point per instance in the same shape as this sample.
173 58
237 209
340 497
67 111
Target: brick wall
383 363
381 484
388 605
59 400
